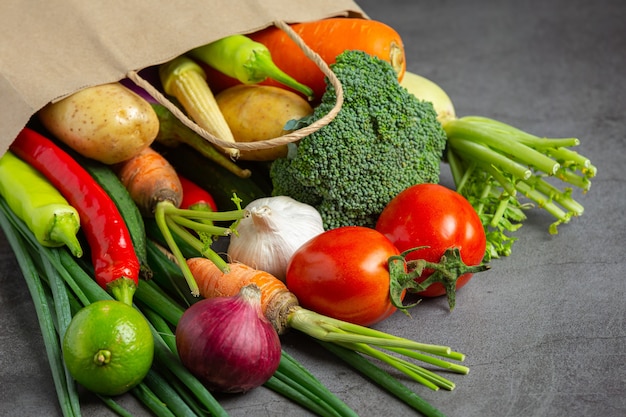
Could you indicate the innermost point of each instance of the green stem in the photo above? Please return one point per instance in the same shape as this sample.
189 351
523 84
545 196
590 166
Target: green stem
200 227
570 158
161 221
332 330
64 230
521 136
296 393
169 276
446 272
263 64
164 391
166 358
66 396
484 154
296 375
382 378
217 216
122 289
456 169
501 208
151 295
114 406
161 326
170 219
448 366
394 362
570 177
493 138
563 198
62 307
204 249
543 201
150 400
505 183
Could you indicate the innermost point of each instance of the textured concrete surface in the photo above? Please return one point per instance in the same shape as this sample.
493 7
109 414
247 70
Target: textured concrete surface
544 330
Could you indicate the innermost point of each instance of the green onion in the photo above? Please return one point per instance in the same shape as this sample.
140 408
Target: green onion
170 361
382 378
295 393
292 372
114 406
66 394
150 400
163 389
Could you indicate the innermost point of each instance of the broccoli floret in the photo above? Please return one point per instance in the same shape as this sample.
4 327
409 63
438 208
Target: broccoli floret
382 141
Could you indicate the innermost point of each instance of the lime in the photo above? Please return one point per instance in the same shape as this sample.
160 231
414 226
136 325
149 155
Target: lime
108 347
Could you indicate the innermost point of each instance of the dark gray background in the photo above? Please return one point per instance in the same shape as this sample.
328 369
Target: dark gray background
544 330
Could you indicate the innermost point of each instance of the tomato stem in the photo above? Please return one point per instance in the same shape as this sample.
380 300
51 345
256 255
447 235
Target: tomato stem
405 275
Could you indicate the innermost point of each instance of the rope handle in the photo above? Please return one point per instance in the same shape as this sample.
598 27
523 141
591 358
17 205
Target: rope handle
267 143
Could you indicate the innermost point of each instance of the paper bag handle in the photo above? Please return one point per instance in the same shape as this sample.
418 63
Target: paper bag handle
263 144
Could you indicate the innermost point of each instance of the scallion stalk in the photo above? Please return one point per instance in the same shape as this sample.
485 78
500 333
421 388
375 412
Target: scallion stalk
383 379
163 389
169 360
150 400
67 397
291 370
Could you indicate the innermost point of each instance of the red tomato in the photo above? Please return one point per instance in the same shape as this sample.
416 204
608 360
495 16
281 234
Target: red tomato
438 217
342 273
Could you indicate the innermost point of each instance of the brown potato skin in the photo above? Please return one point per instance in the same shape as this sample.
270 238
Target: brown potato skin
108 122
259 112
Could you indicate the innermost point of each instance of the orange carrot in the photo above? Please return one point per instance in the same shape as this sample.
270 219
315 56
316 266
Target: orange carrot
276 299
150 179
328 38
282 310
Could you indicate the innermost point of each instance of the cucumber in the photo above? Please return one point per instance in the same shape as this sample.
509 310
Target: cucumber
217 180
107 179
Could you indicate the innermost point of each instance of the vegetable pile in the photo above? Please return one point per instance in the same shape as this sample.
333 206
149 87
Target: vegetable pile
243 207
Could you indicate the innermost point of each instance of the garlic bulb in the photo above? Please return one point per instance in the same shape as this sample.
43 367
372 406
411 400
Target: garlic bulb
275 228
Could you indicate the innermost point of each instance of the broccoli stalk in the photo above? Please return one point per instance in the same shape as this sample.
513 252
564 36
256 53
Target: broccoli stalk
382 141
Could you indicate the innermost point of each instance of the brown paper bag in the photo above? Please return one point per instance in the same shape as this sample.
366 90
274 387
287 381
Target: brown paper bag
54 48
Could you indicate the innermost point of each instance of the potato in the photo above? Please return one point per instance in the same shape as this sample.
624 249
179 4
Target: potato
108 122
259 112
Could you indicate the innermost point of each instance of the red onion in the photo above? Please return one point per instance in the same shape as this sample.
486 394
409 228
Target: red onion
227 342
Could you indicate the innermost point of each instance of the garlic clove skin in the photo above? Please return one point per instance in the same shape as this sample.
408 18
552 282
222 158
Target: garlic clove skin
275 228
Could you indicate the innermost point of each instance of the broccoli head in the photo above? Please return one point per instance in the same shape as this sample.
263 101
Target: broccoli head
382 141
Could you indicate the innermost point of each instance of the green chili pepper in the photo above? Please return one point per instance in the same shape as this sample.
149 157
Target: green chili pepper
45 211
249 61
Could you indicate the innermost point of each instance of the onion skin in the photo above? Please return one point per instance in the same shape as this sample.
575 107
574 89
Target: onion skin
227 342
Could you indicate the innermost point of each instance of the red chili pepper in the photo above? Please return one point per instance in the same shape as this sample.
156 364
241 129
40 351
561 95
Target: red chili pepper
194 194
115 263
